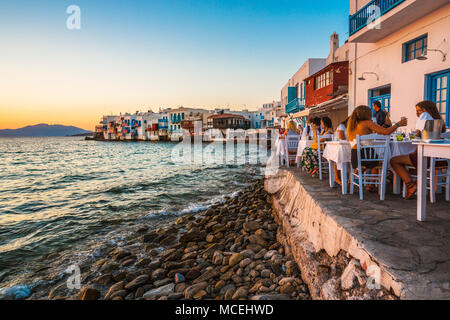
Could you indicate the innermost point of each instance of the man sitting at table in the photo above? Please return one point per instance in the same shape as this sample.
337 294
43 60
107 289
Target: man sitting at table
381 116
425 110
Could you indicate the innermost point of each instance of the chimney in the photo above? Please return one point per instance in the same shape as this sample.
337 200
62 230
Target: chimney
334 45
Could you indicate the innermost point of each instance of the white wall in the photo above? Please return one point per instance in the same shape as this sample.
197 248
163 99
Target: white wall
407 80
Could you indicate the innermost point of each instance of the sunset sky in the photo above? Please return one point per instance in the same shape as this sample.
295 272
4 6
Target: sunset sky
138 55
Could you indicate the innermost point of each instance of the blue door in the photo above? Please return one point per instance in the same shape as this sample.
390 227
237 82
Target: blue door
438 92
383 95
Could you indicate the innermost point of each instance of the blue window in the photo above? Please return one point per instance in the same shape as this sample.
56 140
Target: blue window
383 95
438 92
415 48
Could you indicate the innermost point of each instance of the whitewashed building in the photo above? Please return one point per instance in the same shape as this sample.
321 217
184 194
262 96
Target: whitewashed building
399 55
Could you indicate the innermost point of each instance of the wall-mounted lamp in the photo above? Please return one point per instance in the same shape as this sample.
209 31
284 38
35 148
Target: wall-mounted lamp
373 73
424 57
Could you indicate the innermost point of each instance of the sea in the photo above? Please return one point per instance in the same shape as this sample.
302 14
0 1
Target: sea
69 198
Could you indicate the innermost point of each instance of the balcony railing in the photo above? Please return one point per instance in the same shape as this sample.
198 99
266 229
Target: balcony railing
370 12
295 105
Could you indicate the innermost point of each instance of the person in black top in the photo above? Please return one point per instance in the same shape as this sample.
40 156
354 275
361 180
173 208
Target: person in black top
380 115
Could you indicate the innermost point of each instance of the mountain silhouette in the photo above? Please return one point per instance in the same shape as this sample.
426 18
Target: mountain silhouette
43 130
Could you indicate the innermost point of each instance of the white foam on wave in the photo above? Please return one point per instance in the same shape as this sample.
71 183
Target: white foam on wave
194 207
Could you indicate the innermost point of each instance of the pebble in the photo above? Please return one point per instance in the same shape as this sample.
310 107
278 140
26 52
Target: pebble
227 252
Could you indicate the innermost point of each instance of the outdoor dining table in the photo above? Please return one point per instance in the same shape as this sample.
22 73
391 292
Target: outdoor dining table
427 150
339 152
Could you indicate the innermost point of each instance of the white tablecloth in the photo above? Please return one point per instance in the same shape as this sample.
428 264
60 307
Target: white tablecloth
339 152
302 144
400 148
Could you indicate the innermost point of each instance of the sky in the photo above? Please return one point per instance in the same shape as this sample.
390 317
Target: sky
132 55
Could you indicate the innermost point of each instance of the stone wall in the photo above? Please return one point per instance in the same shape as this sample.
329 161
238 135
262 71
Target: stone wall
333 263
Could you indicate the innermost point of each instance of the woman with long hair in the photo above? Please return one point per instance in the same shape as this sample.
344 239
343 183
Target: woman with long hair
425 110
310 156
360 123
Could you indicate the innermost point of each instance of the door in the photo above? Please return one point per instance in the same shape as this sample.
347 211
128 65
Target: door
383 95
438 92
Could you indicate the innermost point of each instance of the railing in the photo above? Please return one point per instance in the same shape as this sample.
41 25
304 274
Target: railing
295 105
373 10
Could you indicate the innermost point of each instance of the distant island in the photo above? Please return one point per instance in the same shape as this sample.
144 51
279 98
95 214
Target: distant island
45 130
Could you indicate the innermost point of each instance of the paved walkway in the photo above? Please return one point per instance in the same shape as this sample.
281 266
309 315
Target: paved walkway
417 254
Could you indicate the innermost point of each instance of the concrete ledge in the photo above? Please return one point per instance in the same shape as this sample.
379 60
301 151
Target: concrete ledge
412 258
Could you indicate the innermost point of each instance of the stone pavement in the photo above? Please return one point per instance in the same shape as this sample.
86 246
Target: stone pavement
414 257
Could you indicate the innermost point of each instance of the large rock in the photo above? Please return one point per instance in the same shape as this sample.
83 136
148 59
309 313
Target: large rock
251 226
352 275
217 258
240 293
161 291
329 291
192 236
235 259
89 293
136 283
193 274
207 275
265 297
191 291
114 288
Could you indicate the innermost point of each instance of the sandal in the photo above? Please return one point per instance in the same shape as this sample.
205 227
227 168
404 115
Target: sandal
412 188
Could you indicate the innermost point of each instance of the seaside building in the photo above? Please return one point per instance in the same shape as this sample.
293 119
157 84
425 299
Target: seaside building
163 125
326 91
293 92
228 121
186 115
399 56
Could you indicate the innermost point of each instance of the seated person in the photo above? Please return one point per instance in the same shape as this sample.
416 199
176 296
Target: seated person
310 158
425 110
360 123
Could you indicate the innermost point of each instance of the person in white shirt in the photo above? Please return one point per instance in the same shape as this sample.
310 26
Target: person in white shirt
340 135
307 131
425 110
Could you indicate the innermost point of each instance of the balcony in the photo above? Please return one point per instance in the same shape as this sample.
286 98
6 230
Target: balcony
295 105
393 16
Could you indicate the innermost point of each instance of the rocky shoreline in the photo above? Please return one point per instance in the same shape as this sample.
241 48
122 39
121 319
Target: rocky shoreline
228 252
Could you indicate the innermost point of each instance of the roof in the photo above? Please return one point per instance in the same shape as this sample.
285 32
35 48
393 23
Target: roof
226 115
328 67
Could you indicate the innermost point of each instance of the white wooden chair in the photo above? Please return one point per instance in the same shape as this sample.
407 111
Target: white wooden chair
436 178
323 163
371 148
291 146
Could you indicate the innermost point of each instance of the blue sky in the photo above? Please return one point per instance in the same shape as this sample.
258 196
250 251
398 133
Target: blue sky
132 54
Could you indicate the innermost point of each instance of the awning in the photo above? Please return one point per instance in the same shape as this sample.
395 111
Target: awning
301 114
338 103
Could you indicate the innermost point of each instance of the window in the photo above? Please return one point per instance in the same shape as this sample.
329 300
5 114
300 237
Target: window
323 80
415 48
437 91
